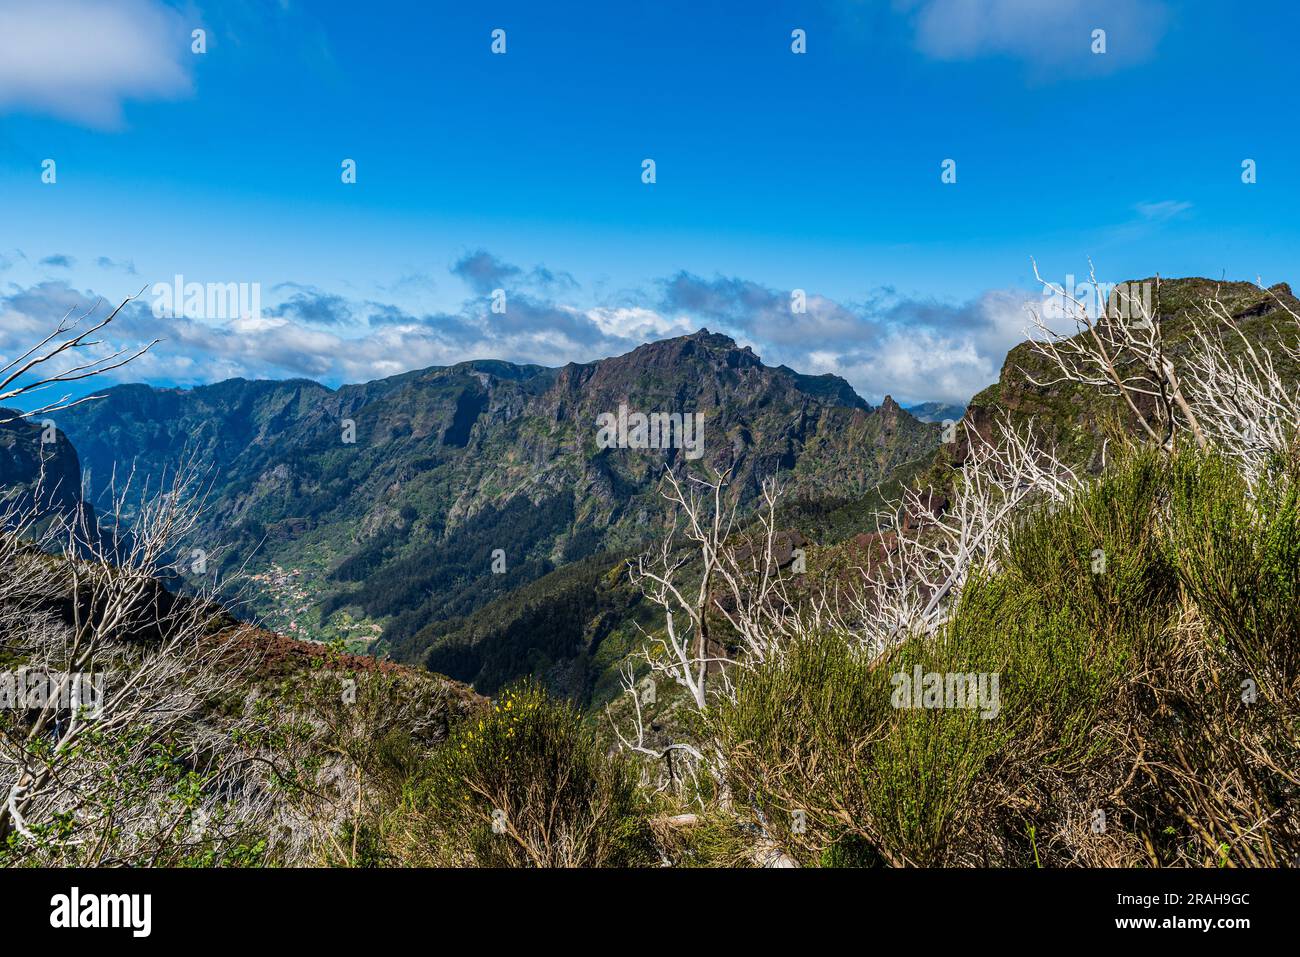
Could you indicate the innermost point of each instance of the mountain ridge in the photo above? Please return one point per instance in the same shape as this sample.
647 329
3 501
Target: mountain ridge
451 469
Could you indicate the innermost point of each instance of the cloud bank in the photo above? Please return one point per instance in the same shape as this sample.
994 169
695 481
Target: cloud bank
915 349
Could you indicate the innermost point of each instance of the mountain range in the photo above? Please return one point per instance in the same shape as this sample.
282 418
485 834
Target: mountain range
419 515
467 518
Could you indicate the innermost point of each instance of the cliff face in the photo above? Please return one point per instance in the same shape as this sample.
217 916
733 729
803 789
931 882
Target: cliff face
36 460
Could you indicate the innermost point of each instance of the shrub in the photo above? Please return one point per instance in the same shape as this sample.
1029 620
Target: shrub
527 785
1226 755
1238 558
1111 703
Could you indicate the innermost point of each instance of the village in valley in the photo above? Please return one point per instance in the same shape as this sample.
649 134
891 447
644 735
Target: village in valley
286 607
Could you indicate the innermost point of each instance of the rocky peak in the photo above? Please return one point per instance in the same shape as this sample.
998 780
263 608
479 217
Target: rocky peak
710 347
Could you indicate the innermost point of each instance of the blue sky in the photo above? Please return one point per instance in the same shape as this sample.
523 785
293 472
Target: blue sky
522 171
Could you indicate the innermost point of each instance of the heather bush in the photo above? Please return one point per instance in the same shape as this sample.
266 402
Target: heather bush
527 785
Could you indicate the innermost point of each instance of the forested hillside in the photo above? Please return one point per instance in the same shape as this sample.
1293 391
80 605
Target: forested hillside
376 513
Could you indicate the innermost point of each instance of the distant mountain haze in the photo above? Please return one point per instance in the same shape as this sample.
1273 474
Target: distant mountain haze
937 411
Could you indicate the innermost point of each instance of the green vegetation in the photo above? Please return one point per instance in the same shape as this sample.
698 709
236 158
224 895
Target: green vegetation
1148 714
1116 682
1121 693
527 785
1144 638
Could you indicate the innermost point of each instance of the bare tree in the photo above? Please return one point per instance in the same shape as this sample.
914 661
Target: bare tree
1250 412
84 609
705 521
1121 353
933 539
927 547
1226 390
706 571
65 355
103 756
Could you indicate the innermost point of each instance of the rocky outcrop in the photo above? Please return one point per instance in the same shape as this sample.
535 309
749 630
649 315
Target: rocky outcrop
1074 418
38 461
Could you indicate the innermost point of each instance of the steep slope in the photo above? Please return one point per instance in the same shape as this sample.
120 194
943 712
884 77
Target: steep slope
1074 417
40 483
1079 422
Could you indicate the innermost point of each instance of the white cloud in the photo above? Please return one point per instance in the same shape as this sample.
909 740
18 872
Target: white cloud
80 60
915 349
925 350
635 322
1045 33
1164 210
